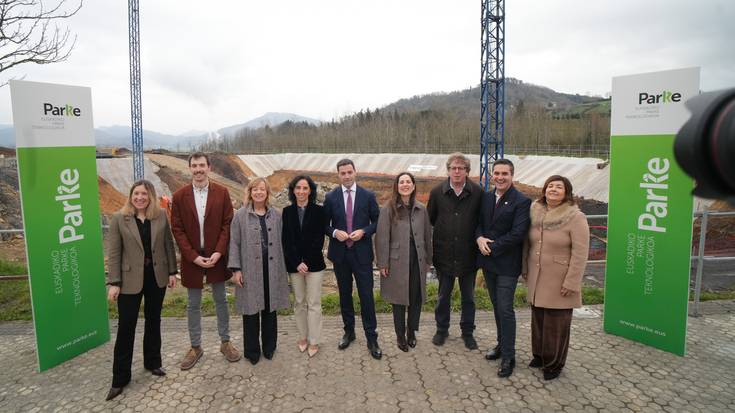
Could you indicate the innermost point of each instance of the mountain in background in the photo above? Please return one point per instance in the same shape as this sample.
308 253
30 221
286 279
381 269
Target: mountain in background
7 136
270 119
120 135
463 106
517 93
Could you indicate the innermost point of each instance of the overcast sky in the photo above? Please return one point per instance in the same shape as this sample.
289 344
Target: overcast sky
206 65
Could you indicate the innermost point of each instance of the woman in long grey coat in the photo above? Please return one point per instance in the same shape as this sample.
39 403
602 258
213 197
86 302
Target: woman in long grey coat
403 251
555 258
259 271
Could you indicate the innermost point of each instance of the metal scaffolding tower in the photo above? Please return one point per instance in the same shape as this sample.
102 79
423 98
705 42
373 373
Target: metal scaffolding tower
492 86
136 107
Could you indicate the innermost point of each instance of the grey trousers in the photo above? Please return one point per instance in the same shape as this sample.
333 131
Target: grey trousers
194 313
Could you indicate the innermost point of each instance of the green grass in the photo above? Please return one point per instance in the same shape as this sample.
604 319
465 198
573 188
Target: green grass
11 268
15 300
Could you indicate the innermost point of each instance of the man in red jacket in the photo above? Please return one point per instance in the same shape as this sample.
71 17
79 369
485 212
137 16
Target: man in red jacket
200 222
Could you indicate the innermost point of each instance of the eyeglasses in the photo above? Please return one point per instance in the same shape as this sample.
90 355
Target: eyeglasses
457 168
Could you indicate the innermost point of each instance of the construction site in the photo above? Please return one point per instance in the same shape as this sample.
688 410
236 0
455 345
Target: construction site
169 172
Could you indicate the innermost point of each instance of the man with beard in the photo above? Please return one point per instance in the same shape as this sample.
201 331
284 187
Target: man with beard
200 222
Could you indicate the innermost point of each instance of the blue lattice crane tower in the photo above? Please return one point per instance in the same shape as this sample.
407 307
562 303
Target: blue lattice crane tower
492 87
136 107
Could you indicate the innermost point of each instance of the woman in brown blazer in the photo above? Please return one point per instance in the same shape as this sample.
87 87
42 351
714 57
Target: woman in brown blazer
555 258
403 251
141 261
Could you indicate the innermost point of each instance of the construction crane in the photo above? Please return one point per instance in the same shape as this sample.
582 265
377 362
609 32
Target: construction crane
492 87
136 107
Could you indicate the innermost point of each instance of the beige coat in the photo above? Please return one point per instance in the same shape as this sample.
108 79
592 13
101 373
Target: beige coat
125 255
555 255
245 254
392 243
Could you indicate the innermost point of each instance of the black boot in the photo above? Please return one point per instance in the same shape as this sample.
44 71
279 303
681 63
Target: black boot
411 338
401 340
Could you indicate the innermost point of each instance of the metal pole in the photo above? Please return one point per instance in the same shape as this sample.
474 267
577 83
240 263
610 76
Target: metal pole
700 259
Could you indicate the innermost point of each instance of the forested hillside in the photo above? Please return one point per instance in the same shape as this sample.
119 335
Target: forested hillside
538 120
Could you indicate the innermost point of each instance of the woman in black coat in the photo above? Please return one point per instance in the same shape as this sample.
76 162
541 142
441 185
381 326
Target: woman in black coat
303 241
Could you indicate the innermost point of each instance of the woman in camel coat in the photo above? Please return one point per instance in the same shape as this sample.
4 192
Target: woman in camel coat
555 258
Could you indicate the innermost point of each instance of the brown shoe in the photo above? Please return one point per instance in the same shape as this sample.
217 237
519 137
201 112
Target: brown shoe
231 353
191 358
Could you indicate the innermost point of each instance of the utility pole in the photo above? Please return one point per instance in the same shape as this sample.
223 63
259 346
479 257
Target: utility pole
492 87
136 107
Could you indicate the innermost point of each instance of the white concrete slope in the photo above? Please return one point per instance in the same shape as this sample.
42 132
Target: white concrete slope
589 181
119 173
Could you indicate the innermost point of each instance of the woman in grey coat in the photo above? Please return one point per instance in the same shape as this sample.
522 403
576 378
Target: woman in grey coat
403 251
256 260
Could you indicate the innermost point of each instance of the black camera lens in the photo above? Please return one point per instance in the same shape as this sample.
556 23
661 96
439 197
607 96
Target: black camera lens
705 145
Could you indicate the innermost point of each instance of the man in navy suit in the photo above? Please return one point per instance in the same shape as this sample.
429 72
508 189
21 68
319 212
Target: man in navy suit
503 226
352 216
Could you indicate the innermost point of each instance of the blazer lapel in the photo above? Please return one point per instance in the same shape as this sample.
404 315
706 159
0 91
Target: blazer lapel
307 214
155 225
341 203
210 202
189 199
133 230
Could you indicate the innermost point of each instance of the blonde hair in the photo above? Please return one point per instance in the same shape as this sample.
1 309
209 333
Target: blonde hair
152 210
249 190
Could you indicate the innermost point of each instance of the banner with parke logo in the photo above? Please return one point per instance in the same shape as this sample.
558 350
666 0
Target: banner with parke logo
650 211
61 215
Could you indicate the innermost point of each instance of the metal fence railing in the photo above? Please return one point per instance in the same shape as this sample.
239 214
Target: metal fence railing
700 258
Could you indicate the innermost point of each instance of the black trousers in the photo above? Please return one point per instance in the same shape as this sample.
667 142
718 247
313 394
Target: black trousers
128 306
364 279
502 290
414 298
262 326
444 298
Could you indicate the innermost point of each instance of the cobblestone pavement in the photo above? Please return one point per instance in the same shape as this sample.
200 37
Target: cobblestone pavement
603 373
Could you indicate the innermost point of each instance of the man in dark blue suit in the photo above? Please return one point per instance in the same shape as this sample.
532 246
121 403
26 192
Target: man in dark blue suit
503 226
352 216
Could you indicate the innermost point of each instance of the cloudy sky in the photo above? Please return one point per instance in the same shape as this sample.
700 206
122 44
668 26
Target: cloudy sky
206 65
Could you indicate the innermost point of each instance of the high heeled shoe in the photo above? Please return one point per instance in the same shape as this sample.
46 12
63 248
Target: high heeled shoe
114 392
313 350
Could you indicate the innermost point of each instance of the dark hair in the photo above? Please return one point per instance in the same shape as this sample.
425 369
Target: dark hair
346 161
292 186
568 196
199 155
504 161
396 199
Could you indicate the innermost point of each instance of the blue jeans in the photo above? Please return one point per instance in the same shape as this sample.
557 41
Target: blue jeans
502 289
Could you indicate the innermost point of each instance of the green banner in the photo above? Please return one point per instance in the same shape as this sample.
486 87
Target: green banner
61 217
649 243
650 211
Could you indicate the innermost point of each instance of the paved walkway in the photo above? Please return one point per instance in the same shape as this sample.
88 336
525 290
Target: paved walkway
603 373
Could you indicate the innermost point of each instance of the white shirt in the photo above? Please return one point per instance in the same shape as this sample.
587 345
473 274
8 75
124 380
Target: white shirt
460 189
353 190
200 200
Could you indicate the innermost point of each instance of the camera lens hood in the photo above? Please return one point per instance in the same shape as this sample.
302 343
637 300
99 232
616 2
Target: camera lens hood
705 145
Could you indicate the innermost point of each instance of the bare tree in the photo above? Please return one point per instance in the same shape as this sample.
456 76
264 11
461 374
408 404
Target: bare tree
29 33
